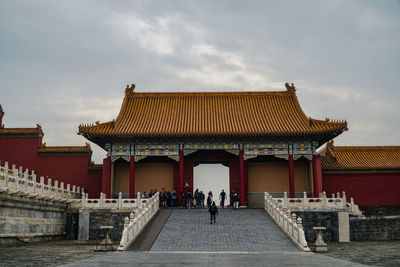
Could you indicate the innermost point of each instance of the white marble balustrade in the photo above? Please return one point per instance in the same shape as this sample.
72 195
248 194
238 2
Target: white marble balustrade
336 202
24 183
110 203
287 221
138 220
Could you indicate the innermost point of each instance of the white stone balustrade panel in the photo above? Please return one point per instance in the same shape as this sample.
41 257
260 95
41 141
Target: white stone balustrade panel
336 202
17 181
134 225
288 222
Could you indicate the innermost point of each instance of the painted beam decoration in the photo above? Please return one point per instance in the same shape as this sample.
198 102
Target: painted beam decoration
229 146
167 150
304 149
120 151
277 149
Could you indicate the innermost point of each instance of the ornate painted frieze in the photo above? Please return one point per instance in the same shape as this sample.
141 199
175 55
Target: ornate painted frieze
315 145
107 147
263 149
251 150
302 148
121 151
157 150
222 146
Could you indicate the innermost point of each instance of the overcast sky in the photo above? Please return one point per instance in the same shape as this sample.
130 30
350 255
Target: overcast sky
63 63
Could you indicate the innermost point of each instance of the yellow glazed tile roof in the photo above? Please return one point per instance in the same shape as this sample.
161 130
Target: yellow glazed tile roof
360 157
64 149
7 132
215 114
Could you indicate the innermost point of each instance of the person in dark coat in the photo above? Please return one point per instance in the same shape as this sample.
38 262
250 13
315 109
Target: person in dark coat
213 211
236 199
222 198
209 201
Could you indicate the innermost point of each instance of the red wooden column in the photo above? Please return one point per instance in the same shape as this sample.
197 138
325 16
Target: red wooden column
317 177
241 173
181 170
132 177
291 176
106 179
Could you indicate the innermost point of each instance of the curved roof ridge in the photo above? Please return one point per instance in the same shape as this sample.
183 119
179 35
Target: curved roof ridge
366 147
64 149
209 94
37 131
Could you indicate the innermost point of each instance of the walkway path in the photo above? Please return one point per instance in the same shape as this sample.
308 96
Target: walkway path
246 237
246 230
150 232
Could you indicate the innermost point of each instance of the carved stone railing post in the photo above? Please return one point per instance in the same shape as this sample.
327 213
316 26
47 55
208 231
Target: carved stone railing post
324 200
6 174
344 201
83 200
294 221
138 201
120 200
285 200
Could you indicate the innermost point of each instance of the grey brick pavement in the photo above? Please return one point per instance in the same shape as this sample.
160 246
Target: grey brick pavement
246 230
193 259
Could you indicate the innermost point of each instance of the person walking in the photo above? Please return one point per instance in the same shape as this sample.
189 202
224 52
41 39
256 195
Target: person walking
213 212
202 196
173 197
189 198
222 198
183 198
236 199
231 197
209 201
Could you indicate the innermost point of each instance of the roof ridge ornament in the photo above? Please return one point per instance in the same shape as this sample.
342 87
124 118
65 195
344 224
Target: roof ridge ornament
129 89
330 148
290 88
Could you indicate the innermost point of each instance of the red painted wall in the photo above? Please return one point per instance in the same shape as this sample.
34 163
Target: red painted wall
70 169
367 189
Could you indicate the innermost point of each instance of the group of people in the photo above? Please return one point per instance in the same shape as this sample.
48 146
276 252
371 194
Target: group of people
196 200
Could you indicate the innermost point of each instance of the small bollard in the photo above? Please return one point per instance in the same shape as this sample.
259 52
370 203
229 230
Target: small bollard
103 240
320 245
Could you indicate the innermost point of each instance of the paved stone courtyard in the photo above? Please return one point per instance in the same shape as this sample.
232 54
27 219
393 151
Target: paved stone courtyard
246 230
228 228
195 259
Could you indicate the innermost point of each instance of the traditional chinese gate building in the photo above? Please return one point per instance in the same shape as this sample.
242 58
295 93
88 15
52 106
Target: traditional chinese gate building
265 139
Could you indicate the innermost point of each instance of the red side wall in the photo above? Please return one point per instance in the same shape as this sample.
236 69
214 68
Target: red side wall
70 169
367 189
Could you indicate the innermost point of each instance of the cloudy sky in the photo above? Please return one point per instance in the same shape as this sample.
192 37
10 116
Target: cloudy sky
63 63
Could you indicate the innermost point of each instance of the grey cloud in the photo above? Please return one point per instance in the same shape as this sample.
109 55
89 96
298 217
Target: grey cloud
64 63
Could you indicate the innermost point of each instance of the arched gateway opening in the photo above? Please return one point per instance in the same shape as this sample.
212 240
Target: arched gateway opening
214 178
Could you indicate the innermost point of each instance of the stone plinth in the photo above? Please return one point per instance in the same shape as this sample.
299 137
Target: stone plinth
320 245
